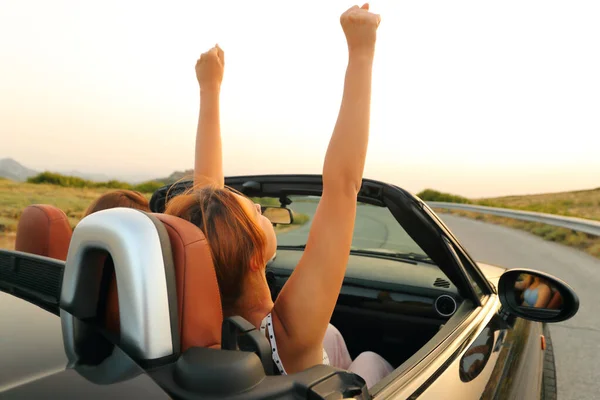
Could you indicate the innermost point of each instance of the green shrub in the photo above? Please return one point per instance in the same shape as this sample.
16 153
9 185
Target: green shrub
576 239
114 184
60 180
52 178
558 235
266 201
542 230
434 195
148 187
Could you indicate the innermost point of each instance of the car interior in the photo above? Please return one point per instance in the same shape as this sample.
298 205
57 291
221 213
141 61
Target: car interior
389 306
393 317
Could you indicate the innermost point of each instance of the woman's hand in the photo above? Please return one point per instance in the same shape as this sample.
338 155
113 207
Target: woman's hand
208 167
360 27
209 69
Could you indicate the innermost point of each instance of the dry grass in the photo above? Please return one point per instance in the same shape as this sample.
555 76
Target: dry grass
588 243
15 196
582 203
7 241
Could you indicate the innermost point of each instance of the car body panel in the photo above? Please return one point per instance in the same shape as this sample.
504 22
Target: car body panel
34 363
509 360
31 346
34 360
498 363
491 272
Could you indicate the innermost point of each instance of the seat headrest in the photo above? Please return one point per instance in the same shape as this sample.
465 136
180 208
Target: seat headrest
198 295
163 281
198 298
44 230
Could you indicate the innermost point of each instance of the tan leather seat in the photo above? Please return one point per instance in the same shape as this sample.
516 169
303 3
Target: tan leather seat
198 296
555 302
44 230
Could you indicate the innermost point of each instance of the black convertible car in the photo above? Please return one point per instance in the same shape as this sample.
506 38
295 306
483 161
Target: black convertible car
151 326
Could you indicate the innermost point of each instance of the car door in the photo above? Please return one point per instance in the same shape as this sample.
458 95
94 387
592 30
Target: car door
484 357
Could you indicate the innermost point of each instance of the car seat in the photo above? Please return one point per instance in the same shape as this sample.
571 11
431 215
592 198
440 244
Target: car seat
165 301
44 230
555 302
198 297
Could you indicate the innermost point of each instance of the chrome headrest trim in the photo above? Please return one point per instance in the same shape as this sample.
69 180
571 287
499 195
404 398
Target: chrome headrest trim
132 240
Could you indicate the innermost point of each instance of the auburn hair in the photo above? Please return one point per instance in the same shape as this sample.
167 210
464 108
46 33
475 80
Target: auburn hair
235 240
119 198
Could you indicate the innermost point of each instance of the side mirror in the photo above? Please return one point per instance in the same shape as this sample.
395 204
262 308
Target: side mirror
536 296
278 215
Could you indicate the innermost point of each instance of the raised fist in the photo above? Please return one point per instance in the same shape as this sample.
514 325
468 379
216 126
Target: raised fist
210 67
360 27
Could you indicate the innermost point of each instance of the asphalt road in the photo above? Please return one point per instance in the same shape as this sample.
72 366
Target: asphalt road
576 341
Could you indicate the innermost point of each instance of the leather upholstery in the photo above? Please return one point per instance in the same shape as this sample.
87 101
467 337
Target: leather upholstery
198 297
555 302
44 230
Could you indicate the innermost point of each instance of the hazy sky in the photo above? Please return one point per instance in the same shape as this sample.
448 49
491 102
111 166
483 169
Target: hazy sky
472 97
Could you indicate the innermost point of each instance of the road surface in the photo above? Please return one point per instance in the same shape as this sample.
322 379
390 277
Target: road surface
576 341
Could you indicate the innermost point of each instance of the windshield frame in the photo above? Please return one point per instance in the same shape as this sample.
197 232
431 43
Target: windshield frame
408 210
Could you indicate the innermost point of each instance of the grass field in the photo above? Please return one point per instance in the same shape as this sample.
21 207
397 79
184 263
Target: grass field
15 196
582 204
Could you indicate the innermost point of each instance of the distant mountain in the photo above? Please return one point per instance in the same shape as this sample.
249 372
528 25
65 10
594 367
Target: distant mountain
12 170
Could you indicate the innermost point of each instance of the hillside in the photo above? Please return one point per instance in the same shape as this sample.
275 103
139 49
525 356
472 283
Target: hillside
12 170
581 204
15 196
15 171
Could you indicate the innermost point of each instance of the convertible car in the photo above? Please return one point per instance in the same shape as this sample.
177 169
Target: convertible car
127 305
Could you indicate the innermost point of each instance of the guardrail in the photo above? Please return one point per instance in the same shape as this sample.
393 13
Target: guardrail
576 224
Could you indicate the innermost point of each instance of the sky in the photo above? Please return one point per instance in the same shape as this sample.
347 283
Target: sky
470 97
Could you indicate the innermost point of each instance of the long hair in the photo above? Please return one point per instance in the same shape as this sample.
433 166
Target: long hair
235 240
119 198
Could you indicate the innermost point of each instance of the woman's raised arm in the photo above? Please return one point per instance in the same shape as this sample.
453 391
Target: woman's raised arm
208 164
305 305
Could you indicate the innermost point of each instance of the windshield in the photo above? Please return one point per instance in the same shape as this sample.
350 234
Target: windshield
375 229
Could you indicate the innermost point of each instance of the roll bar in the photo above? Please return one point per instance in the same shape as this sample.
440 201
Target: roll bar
139 246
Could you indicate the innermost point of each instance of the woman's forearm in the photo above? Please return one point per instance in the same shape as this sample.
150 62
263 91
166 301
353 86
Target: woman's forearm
347 150
208 165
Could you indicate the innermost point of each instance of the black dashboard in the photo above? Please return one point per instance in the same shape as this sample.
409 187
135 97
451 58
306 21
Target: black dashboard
391 286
